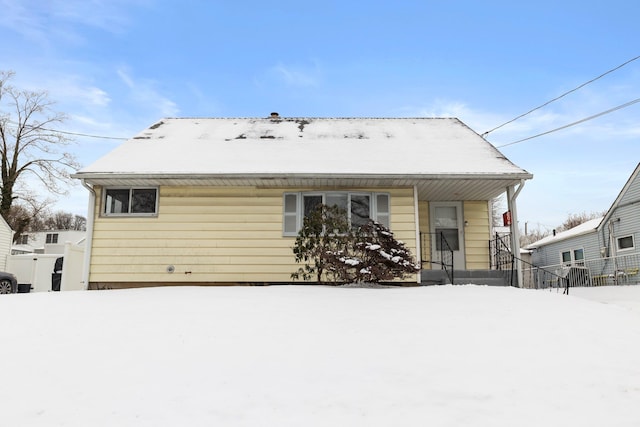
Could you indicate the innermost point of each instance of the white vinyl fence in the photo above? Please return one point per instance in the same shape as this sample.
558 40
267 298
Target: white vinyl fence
619 270
36 270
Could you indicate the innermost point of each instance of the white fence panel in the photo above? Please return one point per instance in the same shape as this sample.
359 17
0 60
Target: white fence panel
37 269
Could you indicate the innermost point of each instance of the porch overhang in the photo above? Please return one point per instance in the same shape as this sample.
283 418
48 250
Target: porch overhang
437 187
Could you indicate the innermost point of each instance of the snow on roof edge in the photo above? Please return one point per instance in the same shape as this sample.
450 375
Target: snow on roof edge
579 230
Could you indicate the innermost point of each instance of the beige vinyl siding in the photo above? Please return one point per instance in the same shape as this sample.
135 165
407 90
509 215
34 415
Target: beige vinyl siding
476 234
212 235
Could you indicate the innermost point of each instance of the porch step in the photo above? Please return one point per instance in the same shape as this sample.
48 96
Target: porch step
464 277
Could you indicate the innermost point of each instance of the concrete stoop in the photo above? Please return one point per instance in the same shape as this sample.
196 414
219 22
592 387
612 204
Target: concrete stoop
464 277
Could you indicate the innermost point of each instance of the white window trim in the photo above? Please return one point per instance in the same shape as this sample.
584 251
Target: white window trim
573 261
633 243
373 206
103 211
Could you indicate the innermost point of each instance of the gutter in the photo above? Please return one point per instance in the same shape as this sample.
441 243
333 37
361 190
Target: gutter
296 175
91 210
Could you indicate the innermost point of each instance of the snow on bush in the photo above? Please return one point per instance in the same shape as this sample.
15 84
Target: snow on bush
368 254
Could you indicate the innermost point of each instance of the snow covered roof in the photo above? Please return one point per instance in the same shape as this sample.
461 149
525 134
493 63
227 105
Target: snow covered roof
584 228
277 147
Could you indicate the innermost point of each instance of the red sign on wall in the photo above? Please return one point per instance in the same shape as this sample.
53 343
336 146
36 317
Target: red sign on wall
506 218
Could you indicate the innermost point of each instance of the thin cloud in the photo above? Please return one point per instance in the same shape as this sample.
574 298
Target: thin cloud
144 93
54 21
296 75
24 20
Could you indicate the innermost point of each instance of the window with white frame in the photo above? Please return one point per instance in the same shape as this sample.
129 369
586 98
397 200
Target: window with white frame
572 257
360 207
51 238
578 256
22 239
130 201
625 243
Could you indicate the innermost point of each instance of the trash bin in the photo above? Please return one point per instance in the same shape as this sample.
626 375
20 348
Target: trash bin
24 288
56 277
56 280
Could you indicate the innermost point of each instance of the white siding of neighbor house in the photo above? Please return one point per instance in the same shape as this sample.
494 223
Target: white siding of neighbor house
6 238
626 216
551 254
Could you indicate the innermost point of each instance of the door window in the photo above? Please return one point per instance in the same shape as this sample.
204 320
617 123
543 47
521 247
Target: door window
446 224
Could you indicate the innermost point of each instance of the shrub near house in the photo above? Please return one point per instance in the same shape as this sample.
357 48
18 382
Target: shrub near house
346 254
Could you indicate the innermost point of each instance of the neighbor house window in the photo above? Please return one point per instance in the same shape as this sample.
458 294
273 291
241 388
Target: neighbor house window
130 201
360 207
578 256
573 257
23 239
52 238
625 243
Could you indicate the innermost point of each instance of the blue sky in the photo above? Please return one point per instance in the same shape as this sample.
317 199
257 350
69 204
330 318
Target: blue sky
117 66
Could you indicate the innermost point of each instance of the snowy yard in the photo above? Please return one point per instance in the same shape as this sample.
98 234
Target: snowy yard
320 356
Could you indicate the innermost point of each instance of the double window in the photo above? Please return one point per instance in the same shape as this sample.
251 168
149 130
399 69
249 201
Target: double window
51 238
130 201
573 257
360 207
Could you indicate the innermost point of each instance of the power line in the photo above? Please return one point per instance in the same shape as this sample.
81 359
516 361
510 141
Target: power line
86 134
561 96
619 107
71 133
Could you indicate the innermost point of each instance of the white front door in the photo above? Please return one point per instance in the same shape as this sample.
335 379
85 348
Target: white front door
446 220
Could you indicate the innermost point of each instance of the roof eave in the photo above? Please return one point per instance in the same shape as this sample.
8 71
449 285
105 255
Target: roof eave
89 176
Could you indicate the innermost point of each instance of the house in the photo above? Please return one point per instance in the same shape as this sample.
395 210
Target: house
6 237
46 242
220 201
606 249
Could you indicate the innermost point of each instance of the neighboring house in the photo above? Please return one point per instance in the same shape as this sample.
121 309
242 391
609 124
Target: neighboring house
220 201
607 248
6 237
46 242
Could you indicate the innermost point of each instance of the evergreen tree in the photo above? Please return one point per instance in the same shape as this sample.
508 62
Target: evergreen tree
337 253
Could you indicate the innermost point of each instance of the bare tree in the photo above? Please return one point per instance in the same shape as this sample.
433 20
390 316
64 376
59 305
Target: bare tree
27 215
532 235
28 143
79 223
574 220
498 206
65 221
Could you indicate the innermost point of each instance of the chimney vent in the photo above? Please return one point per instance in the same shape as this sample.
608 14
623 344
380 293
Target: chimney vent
275 115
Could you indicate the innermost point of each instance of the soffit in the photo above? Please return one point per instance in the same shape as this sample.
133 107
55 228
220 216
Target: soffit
428 189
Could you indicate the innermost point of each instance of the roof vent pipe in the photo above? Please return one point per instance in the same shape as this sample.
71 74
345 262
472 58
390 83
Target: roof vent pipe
275 115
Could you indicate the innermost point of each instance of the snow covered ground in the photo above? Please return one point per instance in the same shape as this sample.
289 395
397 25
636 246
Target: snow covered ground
320 356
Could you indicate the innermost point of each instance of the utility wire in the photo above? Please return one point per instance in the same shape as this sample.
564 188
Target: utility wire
561 96
72 133
86 134
619 107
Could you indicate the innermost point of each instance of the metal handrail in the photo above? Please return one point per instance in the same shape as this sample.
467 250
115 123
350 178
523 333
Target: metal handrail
445 260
